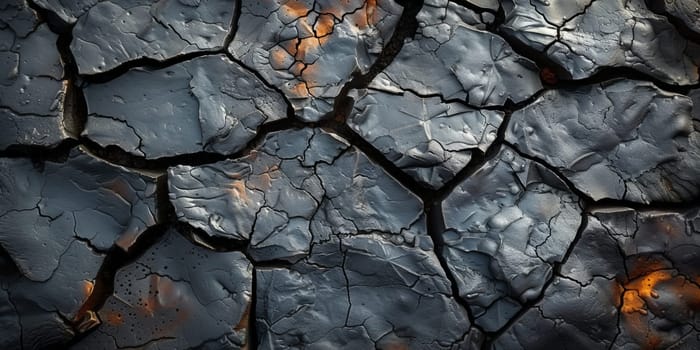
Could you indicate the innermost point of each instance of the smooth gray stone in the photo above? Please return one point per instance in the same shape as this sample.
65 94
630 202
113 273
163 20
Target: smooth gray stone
57 221
298 187
505 227
629 283
32 89
585 36
619 139
360 292
687 11
429 139
209 103
309 49
109 34
452 59
177 296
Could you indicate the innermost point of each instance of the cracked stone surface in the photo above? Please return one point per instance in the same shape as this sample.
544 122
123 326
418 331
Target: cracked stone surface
634 275
454 60
429 139
298 188
585 36
56 217
32 89
356 174
108 34
310 49
620 139
361 292
208 104
505 228
177 296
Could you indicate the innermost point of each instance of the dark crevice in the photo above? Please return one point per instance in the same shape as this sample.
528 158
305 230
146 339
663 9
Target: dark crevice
657 6
39 154
436 227
115 259
419 189
405 28
116 155
525 307
610 73
479 158
252 342
147 64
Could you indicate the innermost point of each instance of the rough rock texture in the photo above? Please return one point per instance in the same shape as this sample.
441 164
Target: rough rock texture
32 92
361 292
177 296
505 228
619 139
56 223
454 60
586 36
111 33
355 174
205 104
429 139
633 278
311 48
298 187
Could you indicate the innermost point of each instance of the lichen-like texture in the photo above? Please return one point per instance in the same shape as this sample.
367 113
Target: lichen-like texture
350 174
32 92
206 104
311 48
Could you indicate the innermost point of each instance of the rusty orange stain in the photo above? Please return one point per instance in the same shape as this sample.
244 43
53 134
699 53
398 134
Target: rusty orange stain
295 8
238 190
114 318
88 287
324 25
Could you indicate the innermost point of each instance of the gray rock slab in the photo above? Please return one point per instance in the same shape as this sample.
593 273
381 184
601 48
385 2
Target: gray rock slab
619 139
455 60
57 221
46 209
32 89
361 292
207 104
505 228
109 34
428 138
585 36
177 295
310 49
298 187
629 283
687 11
